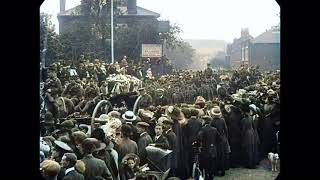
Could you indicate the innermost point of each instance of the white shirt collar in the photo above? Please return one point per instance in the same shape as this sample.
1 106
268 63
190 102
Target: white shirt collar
168 130
143 133
157 137
68 170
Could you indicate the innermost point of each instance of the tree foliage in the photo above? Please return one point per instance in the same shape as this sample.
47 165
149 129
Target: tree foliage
53 45
172 38
219 60
91 34
181 56
128 38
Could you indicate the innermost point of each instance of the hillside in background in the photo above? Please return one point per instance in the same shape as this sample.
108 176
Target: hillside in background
205 50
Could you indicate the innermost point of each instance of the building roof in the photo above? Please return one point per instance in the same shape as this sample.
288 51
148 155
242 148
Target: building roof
270 36
76 11
143 12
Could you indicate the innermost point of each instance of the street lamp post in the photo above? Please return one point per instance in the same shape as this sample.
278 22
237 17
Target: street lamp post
112 49
45 41
42 67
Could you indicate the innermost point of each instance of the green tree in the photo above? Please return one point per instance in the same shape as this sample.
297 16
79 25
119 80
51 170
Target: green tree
181 56
172 38
128 38
98 13
53 45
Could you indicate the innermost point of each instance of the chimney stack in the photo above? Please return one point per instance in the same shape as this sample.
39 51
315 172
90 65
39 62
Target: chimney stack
132 6
244 32
62 5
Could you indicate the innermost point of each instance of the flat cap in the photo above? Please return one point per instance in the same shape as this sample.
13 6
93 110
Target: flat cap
144 124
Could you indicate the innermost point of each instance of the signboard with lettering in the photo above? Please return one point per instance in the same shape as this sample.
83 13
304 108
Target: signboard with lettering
151 50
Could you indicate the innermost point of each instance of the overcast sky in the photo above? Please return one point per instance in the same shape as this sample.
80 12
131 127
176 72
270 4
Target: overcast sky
202 19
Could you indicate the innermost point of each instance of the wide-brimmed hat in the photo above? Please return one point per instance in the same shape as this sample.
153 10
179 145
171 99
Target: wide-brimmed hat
101 146
271 92
49 140
67 124
253 107
103 118
115 114
167 121
129 156
215 112
79 136
174 112
146 114
62 145
64 139
159 90
161 119
129 116
141 89
89 145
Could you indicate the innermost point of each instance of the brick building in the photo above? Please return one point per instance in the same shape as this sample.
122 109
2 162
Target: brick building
265 50
129 11
74 22
238 51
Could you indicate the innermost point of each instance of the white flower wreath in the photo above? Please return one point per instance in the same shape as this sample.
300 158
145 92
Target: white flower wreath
170 109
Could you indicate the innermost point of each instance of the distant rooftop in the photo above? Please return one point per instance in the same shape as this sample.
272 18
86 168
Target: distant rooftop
270 36
76 11
142 12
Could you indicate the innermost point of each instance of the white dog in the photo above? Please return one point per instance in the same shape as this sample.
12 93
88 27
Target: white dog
273 158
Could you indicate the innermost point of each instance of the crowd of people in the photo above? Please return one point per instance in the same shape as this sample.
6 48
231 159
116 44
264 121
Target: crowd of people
214 119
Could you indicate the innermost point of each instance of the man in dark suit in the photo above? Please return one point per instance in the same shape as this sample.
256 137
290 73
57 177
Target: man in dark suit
191 129
172 139
143 141
208 138
160 140
160 99
143 101
169 134
127 145
94 167
68 161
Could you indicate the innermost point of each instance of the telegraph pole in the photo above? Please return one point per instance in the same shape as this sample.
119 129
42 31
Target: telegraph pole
44 42
112 48
42 67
